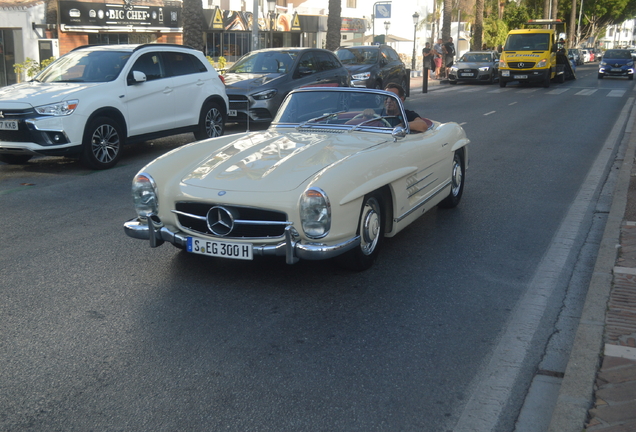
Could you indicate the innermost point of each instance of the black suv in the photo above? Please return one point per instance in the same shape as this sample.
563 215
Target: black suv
373 66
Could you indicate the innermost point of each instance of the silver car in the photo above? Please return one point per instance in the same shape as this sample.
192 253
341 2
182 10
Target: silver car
475 66
259 81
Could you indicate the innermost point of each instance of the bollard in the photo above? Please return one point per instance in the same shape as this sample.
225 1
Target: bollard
425 81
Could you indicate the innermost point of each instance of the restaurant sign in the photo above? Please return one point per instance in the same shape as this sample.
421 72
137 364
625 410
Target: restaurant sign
78 16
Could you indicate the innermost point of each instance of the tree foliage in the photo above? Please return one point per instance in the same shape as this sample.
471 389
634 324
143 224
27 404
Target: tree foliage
495 32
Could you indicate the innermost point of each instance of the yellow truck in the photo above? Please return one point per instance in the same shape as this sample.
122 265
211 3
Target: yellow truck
534 56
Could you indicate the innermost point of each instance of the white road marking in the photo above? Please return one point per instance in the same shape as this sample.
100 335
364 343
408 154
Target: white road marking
558 91
616 93
586 92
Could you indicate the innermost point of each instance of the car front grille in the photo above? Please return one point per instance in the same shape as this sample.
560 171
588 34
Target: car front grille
22 134
521 65
250 222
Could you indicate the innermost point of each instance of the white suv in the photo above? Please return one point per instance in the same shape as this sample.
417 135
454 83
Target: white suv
93 100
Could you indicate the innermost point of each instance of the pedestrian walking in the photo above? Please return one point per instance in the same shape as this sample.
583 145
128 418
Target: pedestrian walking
449 54
438 51
428 58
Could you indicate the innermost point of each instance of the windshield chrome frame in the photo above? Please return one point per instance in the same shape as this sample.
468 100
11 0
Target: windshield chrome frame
343 128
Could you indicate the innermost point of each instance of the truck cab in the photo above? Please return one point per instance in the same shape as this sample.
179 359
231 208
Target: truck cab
533 56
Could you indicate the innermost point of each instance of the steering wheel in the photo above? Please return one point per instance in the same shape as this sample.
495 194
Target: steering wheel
375 116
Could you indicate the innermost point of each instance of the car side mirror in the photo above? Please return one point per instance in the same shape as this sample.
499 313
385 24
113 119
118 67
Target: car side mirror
398 133
303 72
136 77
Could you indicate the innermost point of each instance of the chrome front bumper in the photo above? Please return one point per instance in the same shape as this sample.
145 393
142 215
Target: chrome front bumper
290 248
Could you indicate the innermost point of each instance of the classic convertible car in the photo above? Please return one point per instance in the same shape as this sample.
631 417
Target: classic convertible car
336 172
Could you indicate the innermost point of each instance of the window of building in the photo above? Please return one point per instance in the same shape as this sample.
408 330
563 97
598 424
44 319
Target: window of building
351 4
120 38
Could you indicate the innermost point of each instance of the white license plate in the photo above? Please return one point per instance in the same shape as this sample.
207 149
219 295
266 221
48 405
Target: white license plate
466 74
231 113
221 249
521 76
8 125
617 70
505 73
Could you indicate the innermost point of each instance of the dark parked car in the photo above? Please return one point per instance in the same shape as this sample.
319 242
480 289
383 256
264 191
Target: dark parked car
259 81
616 62
373 66
475 66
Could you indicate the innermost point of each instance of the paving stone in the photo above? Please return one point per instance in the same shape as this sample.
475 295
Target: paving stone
612 393
613 414
619 375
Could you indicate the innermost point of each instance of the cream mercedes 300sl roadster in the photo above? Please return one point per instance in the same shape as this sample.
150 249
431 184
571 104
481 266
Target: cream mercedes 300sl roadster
336 172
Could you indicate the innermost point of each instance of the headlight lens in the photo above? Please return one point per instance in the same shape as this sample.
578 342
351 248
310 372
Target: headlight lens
630 64
484 68
542 63
503 64
58 109
144 193
603 63
315 213
361 76
265 94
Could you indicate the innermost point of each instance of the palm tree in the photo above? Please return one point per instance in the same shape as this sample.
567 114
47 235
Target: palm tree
193 24
478 31
334 24
448 16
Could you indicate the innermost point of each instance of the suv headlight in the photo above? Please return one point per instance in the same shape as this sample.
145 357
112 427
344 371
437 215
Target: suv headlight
315 213
542 63
361 76
144 193
503 64
484 68
58 109
265 94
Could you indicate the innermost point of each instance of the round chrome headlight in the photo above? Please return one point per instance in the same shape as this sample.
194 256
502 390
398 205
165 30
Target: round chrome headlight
315 213
144 193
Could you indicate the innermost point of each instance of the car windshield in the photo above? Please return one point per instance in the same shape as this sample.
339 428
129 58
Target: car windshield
85 66
351 109
357 56
617 54
528 42
265 62
476 58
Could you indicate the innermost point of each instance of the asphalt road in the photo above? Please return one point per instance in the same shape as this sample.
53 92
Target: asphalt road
448 329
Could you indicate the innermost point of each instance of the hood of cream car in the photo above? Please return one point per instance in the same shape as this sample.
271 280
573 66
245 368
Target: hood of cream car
35 93
274 161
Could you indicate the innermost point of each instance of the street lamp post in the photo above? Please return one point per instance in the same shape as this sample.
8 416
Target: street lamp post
416 19
271 7
387 24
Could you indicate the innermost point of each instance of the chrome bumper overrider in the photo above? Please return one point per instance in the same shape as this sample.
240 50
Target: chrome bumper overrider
291 249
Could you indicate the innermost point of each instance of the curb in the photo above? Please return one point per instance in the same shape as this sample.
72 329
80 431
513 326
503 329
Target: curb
576 392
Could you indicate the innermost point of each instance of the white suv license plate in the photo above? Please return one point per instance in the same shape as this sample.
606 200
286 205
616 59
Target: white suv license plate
521 76
221 249
465 74
8 125
231 113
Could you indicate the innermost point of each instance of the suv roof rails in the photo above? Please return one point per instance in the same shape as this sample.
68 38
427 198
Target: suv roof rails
137 47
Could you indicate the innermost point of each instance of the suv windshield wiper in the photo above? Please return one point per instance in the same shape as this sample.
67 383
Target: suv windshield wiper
322 117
